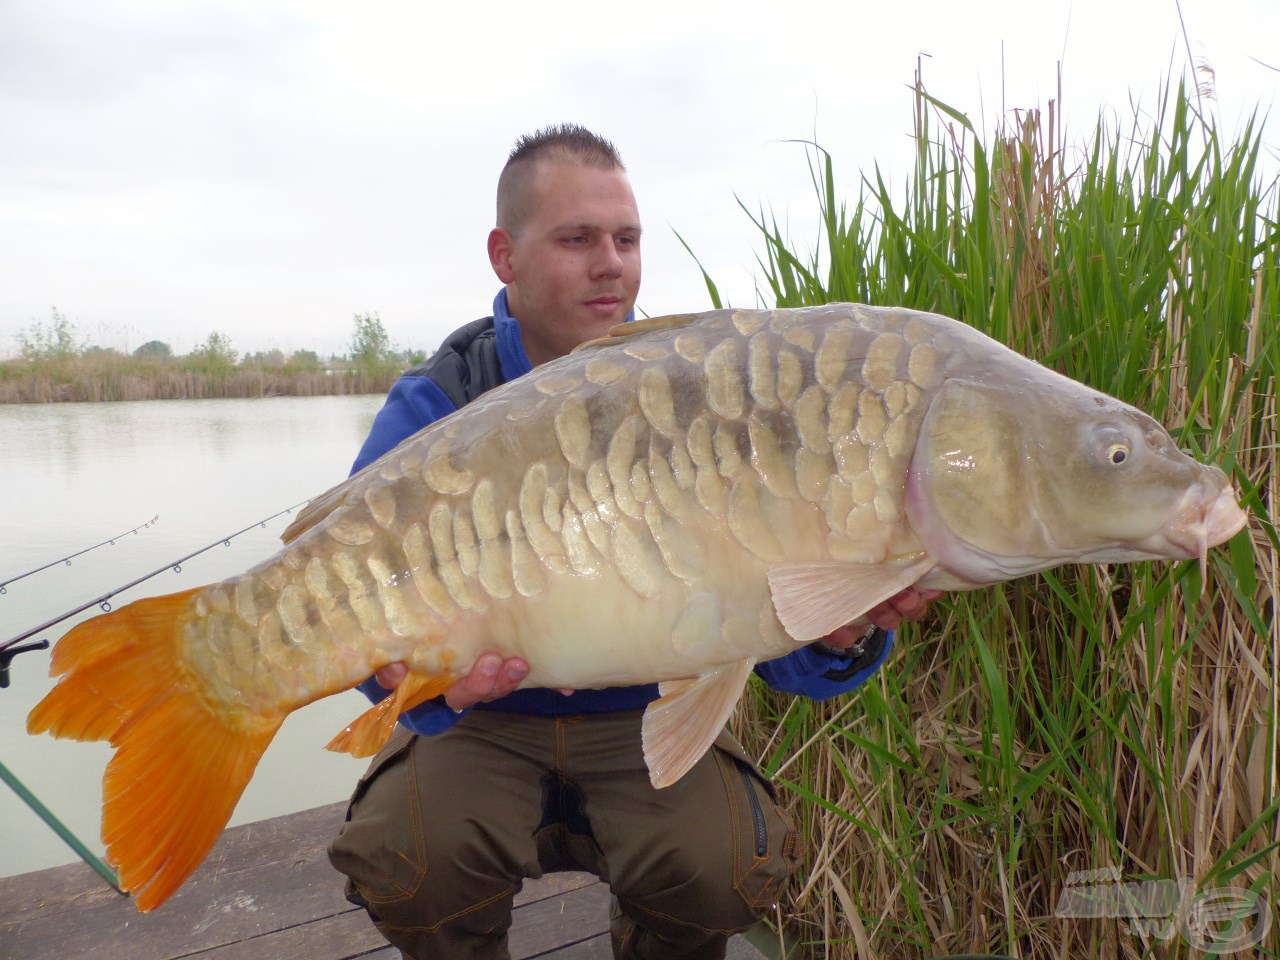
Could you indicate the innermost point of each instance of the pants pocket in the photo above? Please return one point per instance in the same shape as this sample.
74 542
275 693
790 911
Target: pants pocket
381 847
767 845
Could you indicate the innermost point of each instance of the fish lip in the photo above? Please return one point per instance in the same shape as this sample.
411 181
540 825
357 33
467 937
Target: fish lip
1196 528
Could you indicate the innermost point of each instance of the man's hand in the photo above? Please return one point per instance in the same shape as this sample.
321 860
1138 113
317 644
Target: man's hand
490 678
910 604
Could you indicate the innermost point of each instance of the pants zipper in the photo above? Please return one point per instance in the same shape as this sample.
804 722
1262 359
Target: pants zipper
757 814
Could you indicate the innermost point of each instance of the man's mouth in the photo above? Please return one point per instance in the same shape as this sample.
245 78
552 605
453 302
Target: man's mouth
604 304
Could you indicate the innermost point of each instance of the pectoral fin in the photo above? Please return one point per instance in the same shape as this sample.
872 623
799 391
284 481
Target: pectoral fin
812 599
678 728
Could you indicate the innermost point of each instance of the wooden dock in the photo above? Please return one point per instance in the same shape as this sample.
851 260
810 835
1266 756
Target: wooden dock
267 892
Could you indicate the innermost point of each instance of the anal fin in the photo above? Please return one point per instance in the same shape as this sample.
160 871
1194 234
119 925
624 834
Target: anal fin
678 728
370 731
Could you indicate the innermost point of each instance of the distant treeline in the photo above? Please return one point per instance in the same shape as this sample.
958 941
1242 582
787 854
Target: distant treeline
54 366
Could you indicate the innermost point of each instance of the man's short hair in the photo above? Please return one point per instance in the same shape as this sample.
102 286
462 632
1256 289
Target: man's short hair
564 141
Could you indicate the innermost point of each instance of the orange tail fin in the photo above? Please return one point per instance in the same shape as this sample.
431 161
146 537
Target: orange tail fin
370 731
180 764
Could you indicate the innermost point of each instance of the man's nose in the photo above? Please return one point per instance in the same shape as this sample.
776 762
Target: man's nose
608 261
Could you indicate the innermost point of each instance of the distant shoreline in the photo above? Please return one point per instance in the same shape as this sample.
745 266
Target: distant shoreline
79 380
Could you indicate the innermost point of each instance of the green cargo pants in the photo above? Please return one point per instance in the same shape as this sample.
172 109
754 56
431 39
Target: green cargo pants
442 830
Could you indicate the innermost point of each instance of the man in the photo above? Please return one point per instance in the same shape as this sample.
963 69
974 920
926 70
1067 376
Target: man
490 784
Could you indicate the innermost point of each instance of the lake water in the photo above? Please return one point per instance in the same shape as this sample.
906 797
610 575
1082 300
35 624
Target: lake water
74 474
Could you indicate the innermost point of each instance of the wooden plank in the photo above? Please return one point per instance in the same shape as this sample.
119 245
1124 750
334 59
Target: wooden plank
348 934
742 949
551 922
267 890
260 877
599 948
250 846
46 891
337 937
552 885
595 948
273 874
549 912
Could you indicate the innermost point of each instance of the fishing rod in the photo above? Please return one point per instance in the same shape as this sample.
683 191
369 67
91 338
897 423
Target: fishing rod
67 559
14 646
57 826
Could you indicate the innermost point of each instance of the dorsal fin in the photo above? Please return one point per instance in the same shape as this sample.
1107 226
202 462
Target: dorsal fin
316 510
636 327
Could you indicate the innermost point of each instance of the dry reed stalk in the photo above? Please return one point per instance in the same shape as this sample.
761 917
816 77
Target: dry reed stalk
1132 719
79 381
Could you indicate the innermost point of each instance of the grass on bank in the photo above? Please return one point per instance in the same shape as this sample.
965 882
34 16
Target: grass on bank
55 366
93 377
1087 718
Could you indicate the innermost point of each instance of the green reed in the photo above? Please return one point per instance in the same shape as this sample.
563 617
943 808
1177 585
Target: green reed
1090 717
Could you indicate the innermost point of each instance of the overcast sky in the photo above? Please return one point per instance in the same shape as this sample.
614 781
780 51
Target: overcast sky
268 168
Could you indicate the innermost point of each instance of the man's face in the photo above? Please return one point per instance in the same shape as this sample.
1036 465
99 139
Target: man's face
573 271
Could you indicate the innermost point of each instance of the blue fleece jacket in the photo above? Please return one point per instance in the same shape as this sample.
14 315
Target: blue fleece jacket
416 401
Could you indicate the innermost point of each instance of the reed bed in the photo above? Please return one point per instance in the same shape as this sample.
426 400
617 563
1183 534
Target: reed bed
87 378
1113 723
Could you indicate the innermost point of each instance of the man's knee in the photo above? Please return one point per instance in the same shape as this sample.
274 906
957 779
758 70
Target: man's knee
382 845
728 877
401 870
426 886
761 851
714 893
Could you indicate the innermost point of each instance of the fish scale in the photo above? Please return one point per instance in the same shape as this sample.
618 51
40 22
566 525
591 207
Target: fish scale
675 503
599 438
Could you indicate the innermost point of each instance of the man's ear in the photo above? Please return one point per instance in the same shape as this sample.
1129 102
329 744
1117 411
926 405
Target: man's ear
500 254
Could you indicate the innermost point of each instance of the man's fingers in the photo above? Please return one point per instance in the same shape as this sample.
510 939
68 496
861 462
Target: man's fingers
910 604
489 679
509 677
477 684
914 604
846 636
392 675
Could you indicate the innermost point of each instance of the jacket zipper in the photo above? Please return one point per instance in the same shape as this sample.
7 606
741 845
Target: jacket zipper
757 814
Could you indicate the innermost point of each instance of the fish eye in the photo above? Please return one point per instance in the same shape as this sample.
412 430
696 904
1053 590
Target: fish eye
1111 445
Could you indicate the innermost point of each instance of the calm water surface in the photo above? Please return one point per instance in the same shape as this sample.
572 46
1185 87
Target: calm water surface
73 474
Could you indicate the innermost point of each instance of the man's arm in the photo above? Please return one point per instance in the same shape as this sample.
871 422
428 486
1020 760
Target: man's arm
831 666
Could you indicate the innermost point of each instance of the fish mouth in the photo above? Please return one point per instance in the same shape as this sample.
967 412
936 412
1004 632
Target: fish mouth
1198 526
